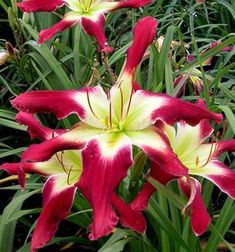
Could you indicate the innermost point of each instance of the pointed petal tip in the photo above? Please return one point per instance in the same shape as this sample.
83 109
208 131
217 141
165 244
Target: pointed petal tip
44 101
108 228
222 176
133 3
57 202
39 5
199 217
223 146
11 168
128 216
142 38
95 28
128 4
140 202
47 34
35 128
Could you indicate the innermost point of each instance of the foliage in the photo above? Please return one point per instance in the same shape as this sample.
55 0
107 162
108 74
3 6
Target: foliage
72 61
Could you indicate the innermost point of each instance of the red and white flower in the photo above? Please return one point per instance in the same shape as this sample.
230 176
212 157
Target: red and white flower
63 171
97 152
194 75
201 159
89 13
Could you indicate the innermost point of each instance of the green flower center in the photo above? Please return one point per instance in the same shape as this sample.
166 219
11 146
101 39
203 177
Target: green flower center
81 7
86 4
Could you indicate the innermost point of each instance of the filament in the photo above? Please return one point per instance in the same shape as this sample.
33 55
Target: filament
69 173
210 155
89 103
61 161
129 102
110 115
121 93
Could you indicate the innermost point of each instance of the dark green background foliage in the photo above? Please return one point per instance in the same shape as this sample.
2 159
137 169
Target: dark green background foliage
67 62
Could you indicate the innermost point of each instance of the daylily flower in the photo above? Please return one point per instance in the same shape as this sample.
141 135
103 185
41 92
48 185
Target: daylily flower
9 53
201 159
194 75
63 171
110 124
89 13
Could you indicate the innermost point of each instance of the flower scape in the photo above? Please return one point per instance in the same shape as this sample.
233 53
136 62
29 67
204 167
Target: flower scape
95 154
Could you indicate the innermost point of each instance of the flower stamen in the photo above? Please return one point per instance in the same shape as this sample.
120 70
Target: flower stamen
61 161
89 103
69 173
122 100
110 115
210 155
129 102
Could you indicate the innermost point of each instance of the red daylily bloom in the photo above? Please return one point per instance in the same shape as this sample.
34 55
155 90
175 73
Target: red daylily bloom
9 53
63 171
110 125
89 13
200 159
194 75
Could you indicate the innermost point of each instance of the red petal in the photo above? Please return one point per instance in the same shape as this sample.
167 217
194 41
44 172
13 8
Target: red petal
44 150
47 34
199 216
222 146
132 3
35 128
136 86
220 175
96 28
157 147
57 203
49 102
21 177
173 110
147 107
20 169
90 104
105 163
129 217
140 202
39 5
143 35
12 168
160 174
